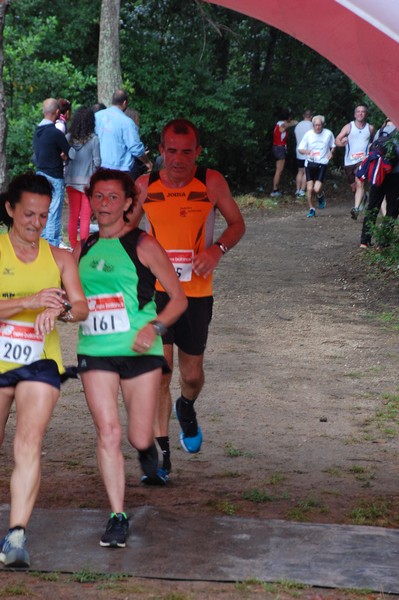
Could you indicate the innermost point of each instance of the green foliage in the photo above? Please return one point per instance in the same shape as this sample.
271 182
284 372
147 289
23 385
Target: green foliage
228 73
36 68
391 146
386 252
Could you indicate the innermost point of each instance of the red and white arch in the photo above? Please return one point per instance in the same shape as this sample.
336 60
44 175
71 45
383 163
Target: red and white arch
361 37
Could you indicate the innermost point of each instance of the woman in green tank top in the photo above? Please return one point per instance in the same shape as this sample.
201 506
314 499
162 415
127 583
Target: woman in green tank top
120 343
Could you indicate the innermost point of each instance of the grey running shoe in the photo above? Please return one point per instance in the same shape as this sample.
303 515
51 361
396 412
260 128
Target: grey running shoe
354 213
116 531
12 550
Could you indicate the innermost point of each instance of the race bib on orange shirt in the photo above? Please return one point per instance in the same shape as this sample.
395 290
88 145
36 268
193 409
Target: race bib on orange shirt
182 261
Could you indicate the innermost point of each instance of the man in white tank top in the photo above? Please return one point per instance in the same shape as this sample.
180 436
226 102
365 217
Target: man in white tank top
355 137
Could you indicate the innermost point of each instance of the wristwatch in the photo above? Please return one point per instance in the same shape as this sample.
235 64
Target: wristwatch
222 246
160 328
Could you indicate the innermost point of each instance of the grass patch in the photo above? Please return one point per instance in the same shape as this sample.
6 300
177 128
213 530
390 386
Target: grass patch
377 513
87 576
46 576
276 478
390 411
391 317
259 496
356 469
333 471
230 475
72 464
250 201
304 507
354 374
222 506
15 589
387 416
362 474
234 452
280 586
177 596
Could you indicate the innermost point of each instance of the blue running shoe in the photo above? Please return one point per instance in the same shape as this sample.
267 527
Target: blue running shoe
321 200
12 550
311 213
161 478
189 443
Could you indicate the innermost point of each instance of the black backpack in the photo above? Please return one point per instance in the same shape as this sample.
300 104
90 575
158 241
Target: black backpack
387 146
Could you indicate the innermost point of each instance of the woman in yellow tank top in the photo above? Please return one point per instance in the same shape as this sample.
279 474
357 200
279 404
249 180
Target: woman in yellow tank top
31 300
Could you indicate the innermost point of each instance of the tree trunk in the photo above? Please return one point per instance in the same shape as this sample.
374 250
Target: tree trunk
4 4
109 76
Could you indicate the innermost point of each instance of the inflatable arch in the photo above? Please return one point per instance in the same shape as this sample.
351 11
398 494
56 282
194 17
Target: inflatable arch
361 37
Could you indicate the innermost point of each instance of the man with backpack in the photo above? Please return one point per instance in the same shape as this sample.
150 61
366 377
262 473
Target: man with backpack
382 170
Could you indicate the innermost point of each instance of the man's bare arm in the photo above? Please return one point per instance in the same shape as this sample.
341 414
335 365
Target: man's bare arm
342 138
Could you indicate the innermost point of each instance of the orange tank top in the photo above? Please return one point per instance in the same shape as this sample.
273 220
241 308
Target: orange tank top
182 220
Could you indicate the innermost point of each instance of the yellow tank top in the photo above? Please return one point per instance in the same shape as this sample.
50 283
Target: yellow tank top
182 220
18 279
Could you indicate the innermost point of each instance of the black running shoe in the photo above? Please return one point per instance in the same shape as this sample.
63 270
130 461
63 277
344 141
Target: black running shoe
149 461
166 463
116 531
161 478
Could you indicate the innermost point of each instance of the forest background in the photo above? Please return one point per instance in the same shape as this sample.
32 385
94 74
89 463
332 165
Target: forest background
228 73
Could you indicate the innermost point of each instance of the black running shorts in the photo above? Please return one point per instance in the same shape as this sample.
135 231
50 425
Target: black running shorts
279 152
127 367
44 371
315 171
190 332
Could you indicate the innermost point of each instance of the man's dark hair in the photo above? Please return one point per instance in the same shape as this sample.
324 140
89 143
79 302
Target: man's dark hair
98 106
285 114
182 127
362 104
119 97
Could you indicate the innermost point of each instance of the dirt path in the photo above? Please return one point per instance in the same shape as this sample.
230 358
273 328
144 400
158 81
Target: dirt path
294 410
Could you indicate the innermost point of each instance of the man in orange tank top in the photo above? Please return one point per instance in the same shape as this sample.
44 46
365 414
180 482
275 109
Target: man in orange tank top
180 202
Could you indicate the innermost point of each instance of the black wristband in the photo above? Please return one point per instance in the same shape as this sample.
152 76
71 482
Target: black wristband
222 247
160 328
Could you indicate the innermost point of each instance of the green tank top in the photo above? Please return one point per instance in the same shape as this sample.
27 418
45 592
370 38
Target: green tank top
120 293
